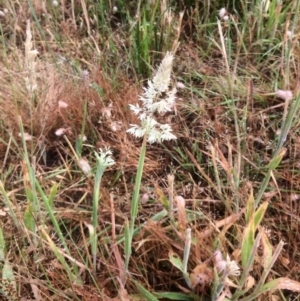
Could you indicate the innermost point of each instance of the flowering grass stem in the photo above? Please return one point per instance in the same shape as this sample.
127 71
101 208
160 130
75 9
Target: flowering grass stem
104 160
134 206
157 98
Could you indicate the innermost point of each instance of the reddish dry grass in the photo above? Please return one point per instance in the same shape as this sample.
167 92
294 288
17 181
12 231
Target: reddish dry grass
198 122
150 264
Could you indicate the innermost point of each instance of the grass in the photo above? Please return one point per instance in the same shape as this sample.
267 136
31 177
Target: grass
212 215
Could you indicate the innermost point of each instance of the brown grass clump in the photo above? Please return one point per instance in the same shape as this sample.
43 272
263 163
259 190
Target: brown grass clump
59 103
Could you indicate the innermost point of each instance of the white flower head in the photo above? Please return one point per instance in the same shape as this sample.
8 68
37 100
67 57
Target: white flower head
180 85
115 9
156 98
106 112
135 109
228 267
232 268
84 166
85 73
33 53
55 3
136 130
116 126
145 198
284 94
289 34
104 157
27 137
60 131
222 12
62 104
83 138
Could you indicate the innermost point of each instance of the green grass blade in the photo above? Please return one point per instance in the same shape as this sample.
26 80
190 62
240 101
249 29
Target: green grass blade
146 294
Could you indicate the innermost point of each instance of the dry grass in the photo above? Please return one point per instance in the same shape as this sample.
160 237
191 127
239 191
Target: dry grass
204 160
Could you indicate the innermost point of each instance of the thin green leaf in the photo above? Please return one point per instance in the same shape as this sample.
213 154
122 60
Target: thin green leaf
276 160
145 293
259 214
52 194
2 246
176 296
9 205
248 265
176 261
250 207
267 250
247 243
127 247
28 219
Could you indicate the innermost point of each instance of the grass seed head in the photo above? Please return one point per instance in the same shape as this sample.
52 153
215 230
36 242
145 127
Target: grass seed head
153 101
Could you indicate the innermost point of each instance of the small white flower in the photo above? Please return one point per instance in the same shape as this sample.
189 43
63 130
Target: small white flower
62 104
284 94
225 18
106 112
60 131
222 12
84 138
221 266
180 85
27 137
115 126
115 9
228 267
145 198
232 267
180 201
55 3
85 73
294 197
289 33
33 53
84 166
136 131
104 157
166 132
5 10
154 136
135 109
